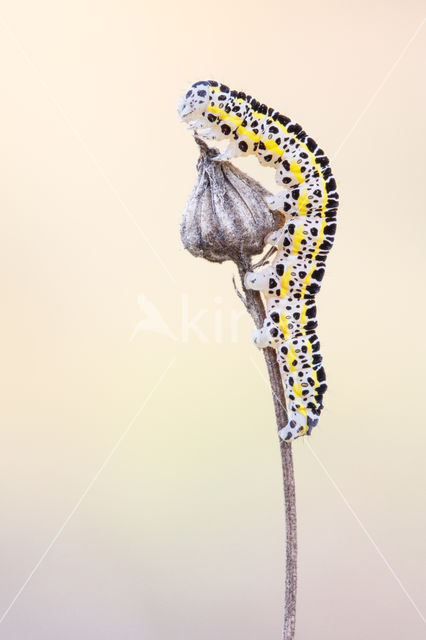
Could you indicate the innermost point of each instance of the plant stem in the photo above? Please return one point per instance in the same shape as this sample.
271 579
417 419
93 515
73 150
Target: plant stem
256 309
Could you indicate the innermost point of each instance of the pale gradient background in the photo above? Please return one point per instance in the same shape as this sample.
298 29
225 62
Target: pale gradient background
181 533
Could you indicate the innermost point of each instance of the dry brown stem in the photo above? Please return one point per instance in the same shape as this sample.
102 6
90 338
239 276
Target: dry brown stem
227 219
256 309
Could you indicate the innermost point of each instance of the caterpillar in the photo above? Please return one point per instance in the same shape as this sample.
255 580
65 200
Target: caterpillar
309 201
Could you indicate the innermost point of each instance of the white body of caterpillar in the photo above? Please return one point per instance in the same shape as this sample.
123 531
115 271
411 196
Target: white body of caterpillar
309 201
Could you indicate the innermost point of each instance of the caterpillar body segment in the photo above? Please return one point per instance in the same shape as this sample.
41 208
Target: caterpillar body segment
309 201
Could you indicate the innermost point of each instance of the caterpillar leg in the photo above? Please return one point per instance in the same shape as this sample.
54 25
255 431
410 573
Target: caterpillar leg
231 151
292 201
259 281
261 338
269 335
276 238
196 124
209 134
276 202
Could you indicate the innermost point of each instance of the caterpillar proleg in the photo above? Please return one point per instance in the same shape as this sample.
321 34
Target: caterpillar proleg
309 201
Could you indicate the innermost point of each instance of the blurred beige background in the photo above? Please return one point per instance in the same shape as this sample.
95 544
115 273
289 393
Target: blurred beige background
140 472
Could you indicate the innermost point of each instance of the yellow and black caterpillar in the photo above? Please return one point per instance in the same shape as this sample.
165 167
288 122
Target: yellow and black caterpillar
309 201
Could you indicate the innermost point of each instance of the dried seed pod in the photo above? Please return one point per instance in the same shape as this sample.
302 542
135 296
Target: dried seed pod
226 217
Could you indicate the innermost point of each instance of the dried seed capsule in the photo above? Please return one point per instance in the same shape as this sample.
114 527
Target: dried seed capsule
226 217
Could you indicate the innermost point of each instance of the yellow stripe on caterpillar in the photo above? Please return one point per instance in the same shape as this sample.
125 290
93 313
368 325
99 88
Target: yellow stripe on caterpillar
303 317
291 357
249 134
303 411
297 239
307 280
297 389
236 120
320 238
296 169
285 280
271 145
283 324
315 378
302 201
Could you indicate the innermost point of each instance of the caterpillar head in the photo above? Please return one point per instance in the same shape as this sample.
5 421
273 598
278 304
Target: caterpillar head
194 102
